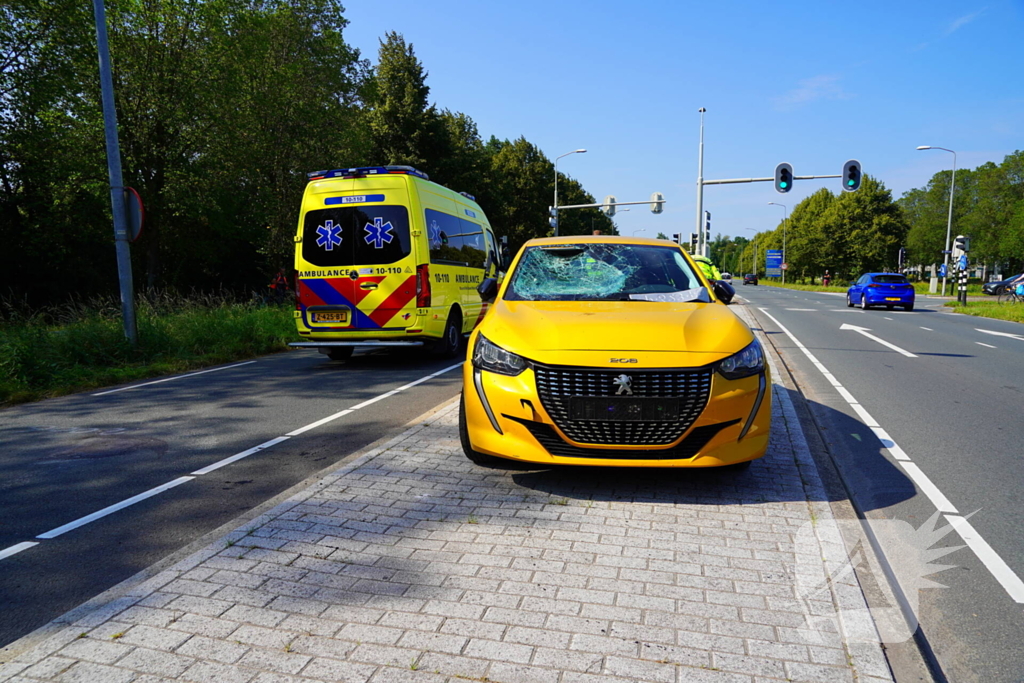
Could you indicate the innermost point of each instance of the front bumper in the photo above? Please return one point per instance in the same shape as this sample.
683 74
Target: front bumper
514 424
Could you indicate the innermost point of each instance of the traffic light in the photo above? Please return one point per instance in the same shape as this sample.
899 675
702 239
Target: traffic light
675 238
783 178
851 175
901 259
693 242
961 245
609 206
656 202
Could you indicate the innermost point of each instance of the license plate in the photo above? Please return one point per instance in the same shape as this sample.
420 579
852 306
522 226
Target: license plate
624 409
331 317
892 298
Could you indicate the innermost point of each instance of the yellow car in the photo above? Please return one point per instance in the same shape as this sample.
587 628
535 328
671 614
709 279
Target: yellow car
612 351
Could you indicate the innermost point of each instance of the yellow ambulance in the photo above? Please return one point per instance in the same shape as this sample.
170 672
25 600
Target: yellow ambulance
385 257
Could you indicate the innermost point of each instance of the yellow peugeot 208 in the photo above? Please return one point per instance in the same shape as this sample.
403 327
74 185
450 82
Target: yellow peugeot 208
612 351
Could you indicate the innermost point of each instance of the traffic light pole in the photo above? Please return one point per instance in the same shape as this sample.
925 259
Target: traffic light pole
730 181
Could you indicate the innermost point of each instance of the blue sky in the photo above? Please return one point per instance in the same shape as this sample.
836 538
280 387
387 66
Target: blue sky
812 86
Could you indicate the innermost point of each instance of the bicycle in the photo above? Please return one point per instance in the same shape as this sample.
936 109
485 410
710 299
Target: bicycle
1009 294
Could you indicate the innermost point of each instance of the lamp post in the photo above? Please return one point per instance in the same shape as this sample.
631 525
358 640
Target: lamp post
785 220
753 256
949 220
701 242
575 151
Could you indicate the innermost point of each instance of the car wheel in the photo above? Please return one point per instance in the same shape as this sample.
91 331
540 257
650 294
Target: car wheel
864 302
908 307
340 352
849 304
889 308
449 345
467 447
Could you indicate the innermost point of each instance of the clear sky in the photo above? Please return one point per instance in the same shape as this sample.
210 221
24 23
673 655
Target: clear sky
810 83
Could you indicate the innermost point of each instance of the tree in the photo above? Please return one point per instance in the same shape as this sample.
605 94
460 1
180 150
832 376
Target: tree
400 119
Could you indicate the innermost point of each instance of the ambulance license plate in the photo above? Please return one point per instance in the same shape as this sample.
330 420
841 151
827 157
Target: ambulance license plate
331 317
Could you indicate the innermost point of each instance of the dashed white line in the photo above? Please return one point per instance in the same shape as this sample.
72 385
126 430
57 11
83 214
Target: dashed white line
927 329
16 548
81 521
171 379
1006 577
989 346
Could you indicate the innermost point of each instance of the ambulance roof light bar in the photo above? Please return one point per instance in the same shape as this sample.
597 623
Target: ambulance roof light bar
364 171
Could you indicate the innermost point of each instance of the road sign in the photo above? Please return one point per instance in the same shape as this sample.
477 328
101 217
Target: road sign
135 213
773 263
784 266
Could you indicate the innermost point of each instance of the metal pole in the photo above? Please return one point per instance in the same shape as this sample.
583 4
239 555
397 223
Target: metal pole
556 195
785 224
124 261
700 186
949 219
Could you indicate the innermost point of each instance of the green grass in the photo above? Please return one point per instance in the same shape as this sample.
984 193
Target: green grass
789 285
973 287
75 347
1013 312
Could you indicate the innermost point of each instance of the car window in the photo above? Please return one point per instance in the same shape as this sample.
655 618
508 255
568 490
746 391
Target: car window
601 271
349 236
890 279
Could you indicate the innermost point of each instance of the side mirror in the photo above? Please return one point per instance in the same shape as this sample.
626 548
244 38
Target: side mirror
488 290
723 291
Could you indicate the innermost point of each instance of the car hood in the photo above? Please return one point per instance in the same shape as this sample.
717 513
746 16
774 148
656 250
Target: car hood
587 333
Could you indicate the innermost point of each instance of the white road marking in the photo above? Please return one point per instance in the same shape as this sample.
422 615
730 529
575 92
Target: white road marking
864 331
1009 580
171 379
927 329
887 318
16 548
82 521
985 345
1002 334
802 309
927 487
1006 577
238 456
330 418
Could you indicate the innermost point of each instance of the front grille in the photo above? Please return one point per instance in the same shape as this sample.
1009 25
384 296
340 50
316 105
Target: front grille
557 384
684 450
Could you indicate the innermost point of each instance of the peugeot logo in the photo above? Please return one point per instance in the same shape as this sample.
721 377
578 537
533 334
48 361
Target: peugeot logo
624 383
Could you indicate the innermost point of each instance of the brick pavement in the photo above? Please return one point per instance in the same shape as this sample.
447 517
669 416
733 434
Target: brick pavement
412 564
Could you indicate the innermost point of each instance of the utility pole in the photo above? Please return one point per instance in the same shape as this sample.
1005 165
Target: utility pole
117 202
701 243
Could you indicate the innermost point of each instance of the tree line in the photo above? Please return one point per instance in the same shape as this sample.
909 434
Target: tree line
856 232
223 108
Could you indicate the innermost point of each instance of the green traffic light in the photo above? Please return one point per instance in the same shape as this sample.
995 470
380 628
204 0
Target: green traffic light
783 184
851 182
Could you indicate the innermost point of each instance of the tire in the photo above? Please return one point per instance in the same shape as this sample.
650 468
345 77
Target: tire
864 302
467 447
849 304
450 344
340 352
889 308
1006 296
908 307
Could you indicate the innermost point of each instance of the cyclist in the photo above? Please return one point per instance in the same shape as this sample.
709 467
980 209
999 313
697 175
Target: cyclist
279 287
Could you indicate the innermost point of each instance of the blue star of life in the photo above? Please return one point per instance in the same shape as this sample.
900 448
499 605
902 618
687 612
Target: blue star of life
378 233
330 235
434 235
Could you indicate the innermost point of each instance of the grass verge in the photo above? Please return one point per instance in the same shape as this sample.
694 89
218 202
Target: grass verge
802 288
1013 312
77 347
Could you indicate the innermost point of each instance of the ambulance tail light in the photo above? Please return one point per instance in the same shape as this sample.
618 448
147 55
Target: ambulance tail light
423 286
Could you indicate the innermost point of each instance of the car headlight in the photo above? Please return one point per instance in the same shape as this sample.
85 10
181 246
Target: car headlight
749 361
491 357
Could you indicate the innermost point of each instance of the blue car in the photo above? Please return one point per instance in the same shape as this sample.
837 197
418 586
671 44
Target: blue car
881 289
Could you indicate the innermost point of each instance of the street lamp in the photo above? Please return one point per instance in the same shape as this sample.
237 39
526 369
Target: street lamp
785 220
753 256
575 151
949 220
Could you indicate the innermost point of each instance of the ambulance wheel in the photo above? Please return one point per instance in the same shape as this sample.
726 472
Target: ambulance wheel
340 353
450 344
467 447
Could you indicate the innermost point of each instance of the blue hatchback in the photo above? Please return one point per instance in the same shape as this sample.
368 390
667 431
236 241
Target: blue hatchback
881 289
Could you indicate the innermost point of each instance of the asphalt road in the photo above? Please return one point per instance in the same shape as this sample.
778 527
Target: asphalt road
65 459
952 413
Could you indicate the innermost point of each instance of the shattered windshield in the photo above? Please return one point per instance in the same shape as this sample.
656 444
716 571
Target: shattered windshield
604 272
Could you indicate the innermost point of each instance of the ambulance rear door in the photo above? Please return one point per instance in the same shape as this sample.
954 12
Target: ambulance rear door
358 269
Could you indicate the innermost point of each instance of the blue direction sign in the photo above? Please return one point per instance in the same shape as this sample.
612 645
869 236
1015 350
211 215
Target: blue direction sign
773 263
